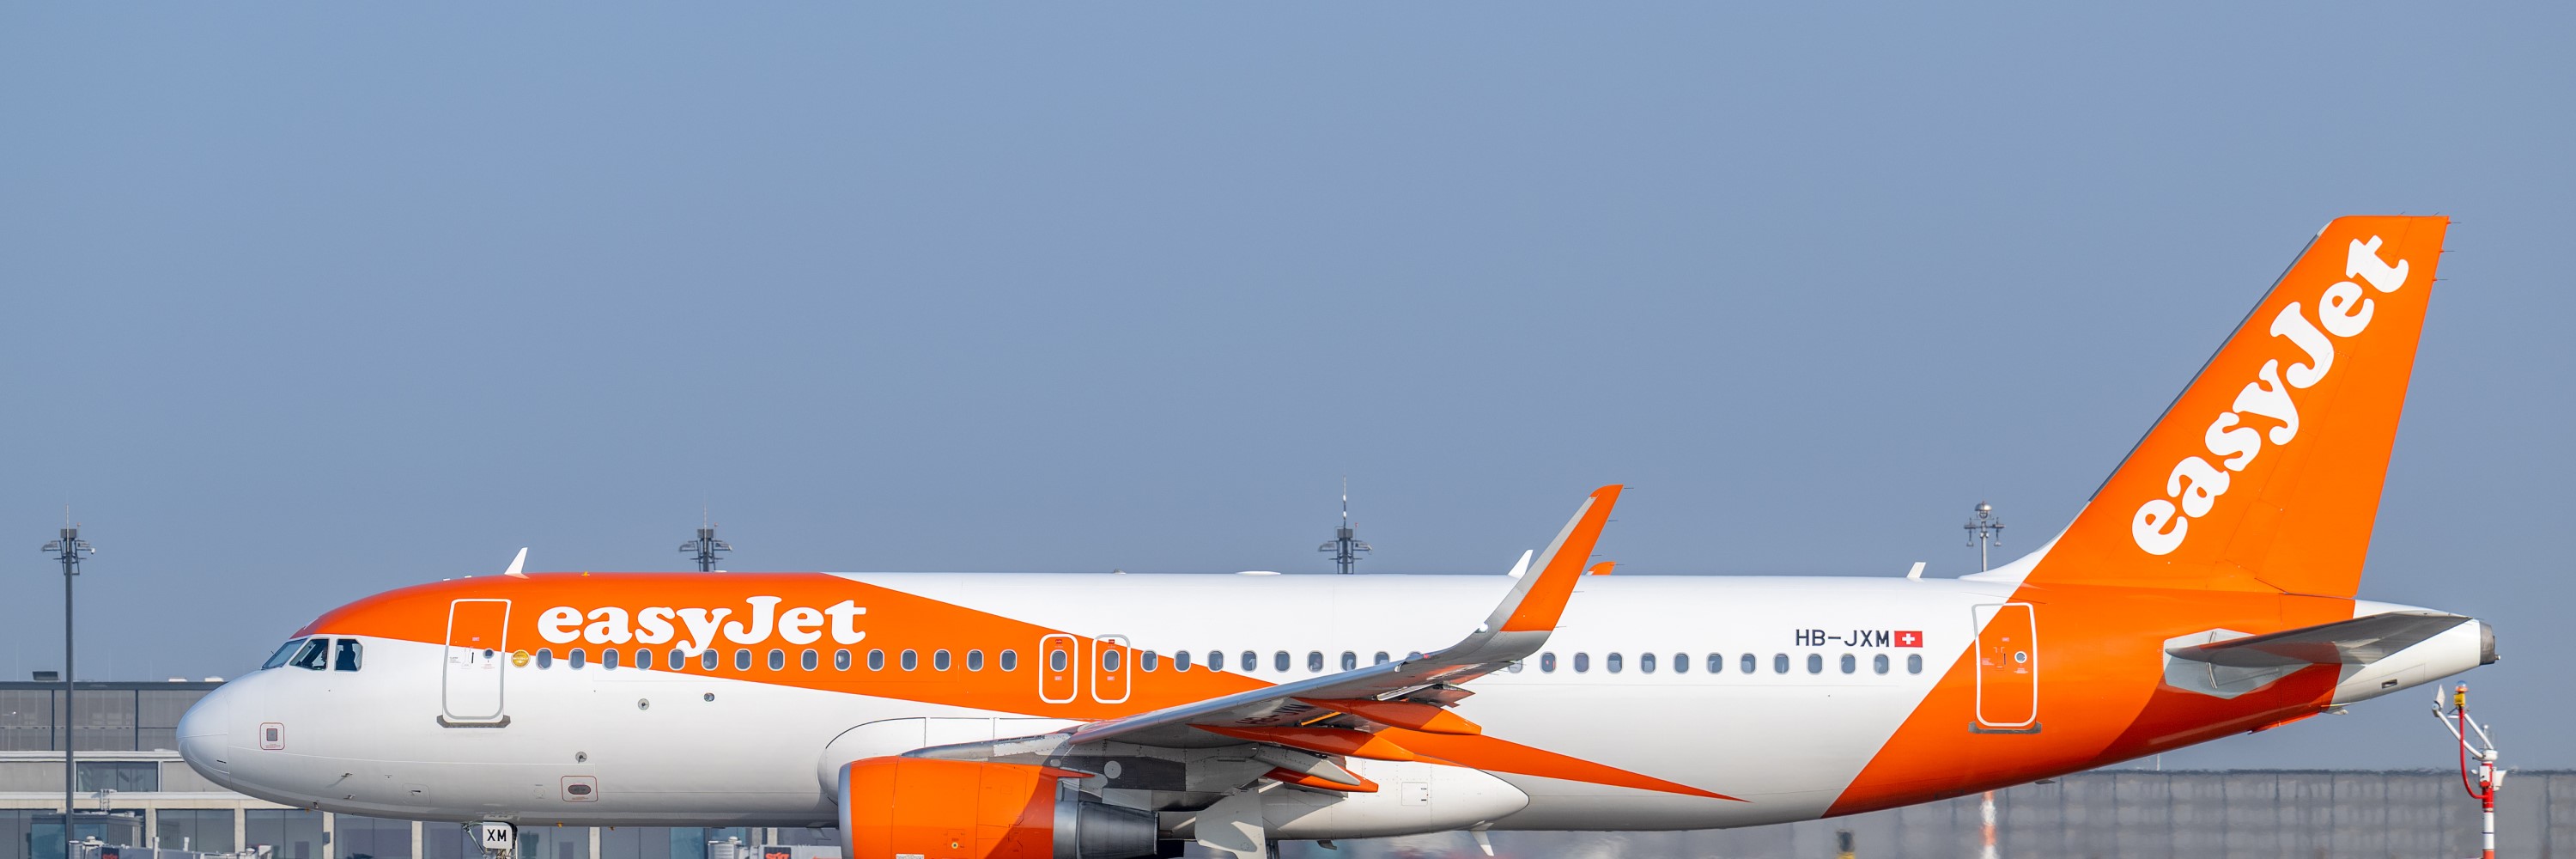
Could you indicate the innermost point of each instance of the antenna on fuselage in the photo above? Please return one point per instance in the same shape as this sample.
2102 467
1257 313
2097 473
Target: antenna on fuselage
1985 532
1345 547
706 547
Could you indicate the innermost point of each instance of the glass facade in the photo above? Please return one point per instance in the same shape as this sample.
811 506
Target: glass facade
204 830
119 776
292 833
354 837
110 716
36 834
44 832
554 842
448 841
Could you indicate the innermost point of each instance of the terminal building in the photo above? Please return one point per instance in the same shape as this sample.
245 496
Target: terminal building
133 790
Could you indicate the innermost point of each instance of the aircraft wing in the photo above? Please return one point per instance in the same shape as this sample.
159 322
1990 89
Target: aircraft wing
1413 692
2359 641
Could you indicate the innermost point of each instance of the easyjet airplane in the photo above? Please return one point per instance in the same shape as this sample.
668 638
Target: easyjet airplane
2207 589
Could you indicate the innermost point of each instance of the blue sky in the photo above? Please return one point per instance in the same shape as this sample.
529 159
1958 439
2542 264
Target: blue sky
309 302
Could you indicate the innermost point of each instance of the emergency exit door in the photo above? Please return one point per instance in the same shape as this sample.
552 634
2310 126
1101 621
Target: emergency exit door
1110 669
1059 669
477 648
2007 668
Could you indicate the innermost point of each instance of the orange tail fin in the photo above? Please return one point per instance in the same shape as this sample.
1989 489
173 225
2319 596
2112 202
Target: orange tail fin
2265 474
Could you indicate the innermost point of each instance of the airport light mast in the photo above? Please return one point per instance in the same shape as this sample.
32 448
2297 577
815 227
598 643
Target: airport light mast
69 550
1345 547
706 547
1985 531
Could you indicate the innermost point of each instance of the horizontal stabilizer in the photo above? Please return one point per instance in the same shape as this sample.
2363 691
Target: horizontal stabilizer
2359 641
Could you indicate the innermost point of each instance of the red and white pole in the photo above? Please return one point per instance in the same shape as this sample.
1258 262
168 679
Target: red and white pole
2489 779
1986 810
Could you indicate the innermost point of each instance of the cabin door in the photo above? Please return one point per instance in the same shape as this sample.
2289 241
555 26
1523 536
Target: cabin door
1110 669
478 648
1059 668
2007 668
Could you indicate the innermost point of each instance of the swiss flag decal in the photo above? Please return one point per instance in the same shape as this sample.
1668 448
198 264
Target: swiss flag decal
1909 638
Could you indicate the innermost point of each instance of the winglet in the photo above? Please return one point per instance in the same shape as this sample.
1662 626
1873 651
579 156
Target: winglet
517 564
1538 600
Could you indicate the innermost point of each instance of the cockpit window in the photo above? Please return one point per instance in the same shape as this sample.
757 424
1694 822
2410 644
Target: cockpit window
283 651
315 656
345 657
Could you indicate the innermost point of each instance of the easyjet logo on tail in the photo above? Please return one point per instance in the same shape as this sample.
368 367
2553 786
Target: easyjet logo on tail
2194 486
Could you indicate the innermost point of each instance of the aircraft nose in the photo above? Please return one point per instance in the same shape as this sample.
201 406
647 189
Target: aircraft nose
205 731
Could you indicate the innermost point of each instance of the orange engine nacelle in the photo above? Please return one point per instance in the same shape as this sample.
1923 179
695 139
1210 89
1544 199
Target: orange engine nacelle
942 809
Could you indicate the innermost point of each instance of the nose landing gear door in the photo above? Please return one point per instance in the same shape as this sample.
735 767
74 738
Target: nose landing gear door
478 648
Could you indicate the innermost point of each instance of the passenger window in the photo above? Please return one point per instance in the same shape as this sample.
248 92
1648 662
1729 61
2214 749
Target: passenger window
840 660
1514 667
777 659
1612 662
1380 659
1350 661
608 658
347 657
1646 663
876 660
1850 663
545 657
643 659
1815 663
809 660
679 660
1914 663
742 659
1547 663
1010 660
1681 663
911 660
315 656
1779 663
1252 661
939 660
1582 662
1315 661
1878 663
1216 660
1148 660
974 660
1181 661
1108 659
1716 663
708 658
1055 660
1746 663
577 658
1280 659
284 652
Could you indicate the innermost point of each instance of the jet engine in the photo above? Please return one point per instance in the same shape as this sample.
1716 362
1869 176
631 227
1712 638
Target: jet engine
943 809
